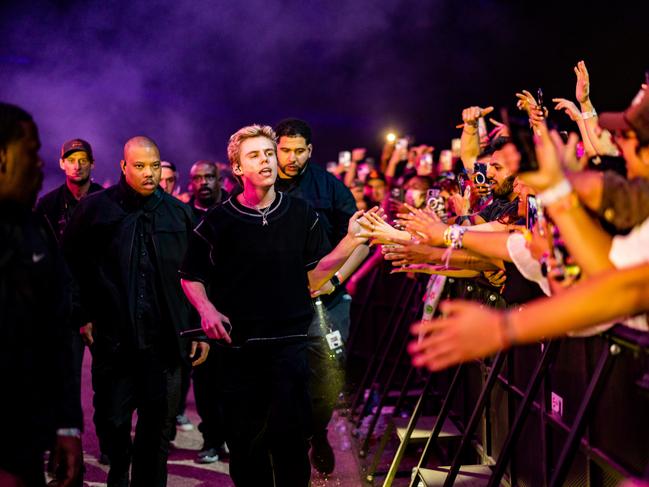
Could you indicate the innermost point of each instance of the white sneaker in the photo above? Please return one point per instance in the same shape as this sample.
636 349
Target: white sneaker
183 423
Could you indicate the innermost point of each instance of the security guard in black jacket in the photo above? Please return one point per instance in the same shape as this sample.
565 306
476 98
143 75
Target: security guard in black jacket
125 245
77 162
56 207
40 393
334 203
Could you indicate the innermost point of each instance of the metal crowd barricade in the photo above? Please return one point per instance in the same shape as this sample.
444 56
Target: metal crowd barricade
579 459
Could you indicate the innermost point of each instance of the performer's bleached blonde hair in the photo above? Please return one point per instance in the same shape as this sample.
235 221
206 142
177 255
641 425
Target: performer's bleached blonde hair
249 132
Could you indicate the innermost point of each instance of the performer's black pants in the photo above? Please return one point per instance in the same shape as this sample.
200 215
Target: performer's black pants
267 413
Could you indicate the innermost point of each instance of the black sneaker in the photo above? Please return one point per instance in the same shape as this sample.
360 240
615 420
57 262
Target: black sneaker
103 459
322 455
209 455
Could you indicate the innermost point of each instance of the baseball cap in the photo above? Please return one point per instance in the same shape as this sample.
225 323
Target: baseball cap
374 174
168 165
76 145
635 118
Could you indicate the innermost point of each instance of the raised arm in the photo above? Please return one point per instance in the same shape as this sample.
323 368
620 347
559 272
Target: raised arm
346 270
586 241
601 145
411 253
470 331
470 139
330 263
575 115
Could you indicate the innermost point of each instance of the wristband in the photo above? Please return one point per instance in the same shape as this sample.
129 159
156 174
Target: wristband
567 203
335 280
70 432
507 333
453 236
587 115
555 193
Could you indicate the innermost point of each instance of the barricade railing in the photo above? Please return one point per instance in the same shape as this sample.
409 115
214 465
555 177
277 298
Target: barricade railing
584 432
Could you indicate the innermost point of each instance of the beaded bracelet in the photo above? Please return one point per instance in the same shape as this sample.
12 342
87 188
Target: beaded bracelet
453 236
555 193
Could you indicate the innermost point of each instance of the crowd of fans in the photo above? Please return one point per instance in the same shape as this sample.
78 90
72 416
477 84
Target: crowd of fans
544 217
516 212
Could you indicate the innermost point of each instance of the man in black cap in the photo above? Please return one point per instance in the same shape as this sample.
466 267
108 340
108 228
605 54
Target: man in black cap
77 162
40 399
125 245
56 207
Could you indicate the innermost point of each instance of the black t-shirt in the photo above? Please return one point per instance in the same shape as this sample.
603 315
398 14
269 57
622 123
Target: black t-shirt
256 273
499 208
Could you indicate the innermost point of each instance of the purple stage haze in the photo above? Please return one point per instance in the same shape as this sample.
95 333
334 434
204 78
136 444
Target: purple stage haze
189 73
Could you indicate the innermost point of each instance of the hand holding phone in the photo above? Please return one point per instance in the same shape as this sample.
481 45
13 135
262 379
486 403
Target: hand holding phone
480 173
532 212
345 158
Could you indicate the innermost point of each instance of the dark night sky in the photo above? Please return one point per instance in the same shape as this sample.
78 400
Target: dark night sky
189 73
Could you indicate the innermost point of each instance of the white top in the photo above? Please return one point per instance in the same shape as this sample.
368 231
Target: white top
528 266
626 251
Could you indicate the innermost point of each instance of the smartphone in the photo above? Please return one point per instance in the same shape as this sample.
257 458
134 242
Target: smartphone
532 212
521 137
539 97
345 158
398 194
480 173
431 195
456 147
427 161
562 257
435 202
464 181
482 129
446 161
402 143
362 171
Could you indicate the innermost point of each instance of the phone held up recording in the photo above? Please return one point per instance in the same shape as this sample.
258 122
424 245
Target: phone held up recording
435 202
345 158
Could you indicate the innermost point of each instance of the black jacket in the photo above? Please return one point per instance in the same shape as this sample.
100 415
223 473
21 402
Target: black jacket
40 391
98 244
332 200
57 206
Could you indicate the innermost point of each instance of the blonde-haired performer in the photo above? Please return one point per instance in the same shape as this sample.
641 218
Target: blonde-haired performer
248 271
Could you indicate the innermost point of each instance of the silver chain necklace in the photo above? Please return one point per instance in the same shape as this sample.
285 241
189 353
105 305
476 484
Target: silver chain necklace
263 212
